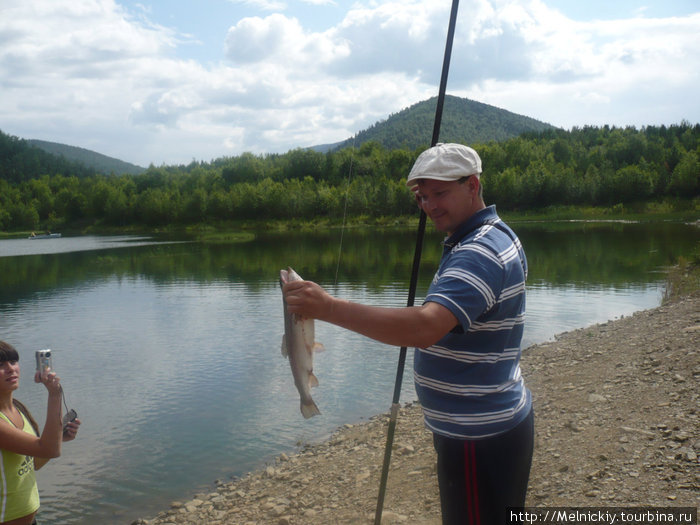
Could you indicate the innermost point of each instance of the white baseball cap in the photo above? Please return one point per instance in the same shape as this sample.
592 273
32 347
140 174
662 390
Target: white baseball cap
445 162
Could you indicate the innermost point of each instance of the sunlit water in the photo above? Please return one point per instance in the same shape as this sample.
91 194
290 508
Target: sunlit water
171 356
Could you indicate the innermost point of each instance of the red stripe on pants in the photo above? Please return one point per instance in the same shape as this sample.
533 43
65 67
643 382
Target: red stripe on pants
472 487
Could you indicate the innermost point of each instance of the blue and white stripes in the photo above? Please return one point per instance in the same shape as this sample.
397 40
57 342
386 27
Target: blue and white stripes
469 382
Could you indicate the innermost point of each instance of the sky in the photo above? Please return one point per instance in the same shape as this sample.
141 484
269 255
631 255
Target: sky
168 82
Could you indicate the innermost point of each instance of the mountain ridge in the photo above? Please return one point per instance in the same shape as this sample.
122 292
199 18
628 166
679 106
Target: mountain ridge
463 120
88 158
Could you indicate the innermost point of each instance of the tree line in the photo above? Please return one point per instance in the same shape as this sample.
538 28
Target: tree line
588 166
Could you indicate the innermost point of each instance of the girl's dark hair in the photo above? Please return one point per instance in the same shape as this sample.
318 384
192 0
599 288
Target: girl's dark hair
9 353
28 415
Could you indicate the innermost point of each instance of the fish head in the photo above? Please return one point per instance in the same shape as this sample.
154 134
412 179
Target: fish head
292 275
289 275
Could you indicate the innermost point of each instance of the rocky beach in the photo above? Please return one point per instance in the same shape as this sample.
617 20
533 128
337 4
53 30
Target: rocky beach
616 420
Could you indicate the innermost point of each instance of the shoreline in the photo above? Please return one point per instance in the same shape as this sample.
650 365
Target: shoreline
616 424
570 214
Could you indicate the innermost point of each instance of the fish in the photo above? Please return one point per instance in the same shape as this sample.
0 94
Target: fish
299 346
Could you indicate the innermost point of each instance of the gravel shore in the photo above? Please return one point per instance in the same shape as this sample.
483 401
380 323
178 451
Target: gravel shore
616 421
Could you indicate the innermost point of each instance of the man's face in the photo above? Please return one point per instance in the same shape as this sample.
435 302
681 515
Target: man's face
447 203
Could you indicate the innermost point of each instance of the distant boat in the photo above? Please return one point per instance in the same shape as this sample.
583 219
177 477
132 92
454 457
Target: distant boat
45 236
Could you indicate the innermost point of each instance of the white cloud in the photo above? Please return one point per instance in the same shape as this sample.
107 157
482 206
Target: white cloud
281 41
93 74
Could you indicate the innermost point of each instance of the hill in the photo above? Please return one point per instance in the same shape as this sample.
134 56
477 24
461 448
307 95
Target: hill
90 159
463 120
20 161
23 159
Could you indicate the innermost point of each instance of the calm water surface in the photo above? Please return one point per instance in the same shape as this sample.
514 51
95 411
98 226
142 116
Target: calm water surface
170 351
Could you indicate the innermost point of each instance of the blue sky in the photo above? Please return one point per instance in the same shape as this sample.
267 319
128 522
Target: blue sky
170 81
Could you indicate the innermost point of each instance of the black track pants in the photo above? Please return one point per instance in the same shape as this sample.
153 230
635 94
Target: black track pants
480 479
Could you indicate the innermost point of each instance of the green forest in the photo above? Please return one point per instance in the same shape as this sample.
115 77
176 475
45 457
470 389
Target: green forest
607 167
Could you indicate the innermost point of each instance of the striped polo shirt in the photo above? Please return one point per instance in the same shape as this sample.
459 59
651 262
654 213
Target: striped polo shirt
469 382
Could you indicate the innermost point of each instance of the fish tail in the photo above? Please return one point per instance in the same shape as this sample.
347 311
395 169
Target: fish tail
309 409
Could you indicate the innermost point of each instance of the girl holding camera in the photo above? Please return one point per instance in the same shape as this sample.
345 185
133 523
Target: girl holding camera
23 449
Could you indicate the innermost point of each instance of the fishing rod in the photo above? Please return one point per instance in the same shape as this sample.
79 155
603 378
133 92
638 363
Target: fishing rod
414 272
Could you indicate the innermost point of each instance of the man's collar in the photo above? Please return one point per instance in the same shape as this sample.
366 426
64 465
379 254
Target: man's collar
471 224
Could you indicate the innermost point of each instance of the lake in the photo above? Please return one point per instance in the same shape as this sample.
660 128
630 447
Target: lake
169 350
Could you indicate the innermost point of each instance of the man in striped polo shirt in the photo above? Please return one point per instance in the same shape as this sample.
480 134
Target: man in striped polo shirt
467 336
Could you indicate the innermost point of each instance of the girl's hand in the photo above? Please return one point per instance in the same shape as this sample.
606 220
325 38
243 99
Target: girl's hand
51 381
71 430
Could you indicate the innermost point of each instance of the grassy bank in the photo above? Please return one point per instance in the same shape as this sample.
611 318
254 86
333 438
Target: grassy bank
685 210
665 210
647 213
683 279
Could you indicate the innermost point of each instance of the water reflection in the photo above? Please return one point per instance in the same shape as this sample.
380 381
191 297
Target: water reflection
17 247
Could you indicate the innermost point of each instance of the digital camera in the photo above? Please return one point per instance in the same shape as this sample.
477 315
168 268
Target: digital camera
43 361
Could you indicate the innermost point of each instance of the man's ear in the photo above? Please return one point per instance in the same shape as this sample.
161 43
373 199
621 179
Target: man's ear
416 196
